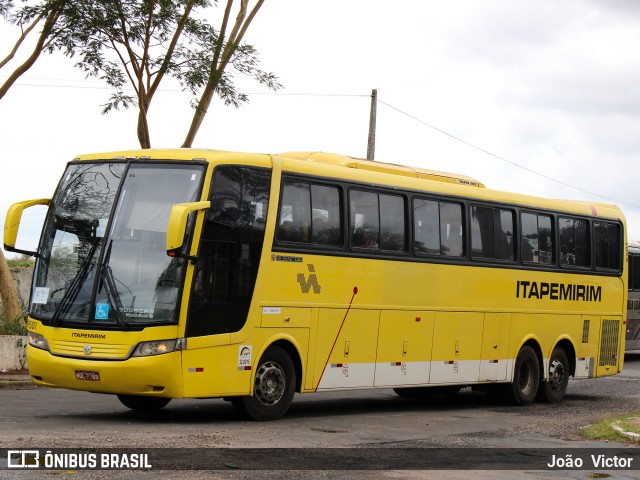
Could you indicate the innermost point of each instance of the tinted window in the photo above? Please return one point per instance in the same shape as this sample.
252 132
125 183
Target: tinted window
438 228
392 218
230 250
295 213
326 226
492 233
536 239
607 245
365 220
426 226
574 242
310 214
451 239
634 272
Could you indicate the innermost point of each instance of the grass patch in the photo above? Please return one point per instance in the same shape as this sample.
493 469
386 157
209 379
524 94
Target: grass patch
605 431
13 327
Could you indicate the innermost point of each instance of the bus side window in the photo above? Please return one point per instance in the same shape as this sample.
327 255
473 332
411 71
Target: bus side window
607 245
492 233
426 226
295 213
536 239
574 242
365 220
451 238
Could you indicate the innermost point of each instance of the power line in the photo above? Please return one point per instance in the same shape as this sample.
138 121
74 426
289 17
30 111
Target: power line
343 95
487 152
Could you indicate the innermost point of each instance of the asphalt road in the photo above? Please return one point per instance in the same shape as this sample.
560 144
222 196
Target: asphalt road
48 418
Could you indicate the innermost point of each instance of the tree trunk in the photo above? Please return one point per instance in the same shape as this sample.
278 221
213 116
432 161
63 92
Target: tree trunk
8 291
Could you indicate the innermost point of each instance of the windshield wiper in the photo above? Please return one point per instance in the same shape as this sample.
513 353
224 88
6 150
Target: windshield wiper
75 286
109 282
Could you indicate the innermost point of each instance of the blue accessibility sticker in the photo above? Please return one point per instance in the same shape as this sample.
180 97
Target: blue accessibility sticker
102 311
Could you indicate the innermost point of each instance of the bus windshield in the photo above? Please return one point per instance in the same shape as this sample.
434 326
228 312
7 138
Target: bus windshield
102 258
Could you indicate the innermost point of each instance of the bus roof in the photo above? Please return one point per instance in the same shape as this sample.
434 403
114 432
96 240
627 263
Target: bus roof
382 167
328 164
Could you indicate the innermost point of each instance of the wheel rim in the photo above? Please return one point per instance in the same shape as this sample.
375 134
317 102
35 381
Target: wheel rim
556 375
270 383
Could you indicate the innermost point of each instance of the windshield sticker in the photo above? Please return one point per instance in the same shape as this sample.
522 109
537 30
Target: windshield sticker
102 311
41 295
137 312
244 357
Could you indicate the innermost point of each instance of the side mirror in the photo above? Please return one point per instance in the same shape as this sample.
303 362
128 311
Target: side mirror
178 225
12 223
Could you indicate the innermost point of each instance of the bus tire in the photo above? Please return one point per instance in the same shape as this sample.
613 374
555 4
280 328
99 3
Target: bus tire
143 404
553 390
526 378
273 390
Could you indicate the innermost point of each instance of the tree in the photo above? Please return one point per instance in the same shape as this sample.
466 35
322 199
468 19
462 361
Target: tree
28 19
211 72
8 291
138 43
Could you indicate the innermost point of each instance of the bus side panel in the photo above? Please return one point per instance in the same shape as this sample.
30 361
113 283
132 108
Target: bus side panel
404 348
495 347
212 369
457 342
346 348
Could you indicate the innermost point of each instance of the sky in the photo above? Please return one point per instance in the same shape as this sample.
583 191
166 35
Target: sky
541 98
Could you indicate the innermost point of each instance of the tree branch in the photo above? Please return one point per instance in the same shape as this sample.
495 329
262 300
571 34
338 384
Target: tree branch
21 39
50 21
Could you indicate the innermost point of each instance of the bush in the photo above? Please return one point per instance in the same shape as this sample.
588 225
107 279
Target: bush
13 327
23 261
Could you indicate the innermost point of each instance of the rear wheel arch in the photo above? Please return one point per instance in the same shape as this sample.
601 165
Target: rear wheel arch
566 345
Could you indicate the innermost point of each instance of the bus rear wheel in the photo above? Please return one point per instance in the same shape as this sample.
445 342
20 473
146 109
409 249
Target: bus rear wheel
143 404
553 390
273 390
526 378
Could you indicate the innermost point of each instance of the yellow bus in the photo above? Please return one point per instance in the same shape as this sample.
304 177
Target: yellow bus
185 273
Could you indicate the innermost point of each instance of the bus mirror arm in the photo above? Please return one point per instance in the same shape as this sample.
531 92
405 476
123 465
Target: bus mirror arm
177 227
12 224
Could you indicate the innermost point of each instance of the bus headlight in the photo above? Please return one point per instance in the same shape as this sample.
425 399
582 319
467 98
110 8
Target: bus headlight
158 347
37 340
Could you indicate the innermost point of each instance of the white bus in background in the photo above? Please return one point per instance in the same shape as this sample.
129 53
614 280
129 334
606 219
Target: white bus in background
632 340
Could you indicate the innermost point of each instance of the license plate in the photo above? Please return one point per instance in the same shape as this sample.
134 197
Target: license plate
88 375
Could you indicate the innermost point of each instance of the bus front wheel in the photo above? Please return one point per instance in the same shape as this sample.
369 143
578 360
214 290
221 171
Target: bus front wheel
553 390
143 404
273 390
526 378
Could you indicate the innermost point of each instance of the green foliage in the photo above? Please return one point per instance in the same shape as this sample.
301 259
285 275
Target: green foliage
13 327
23 261
125 41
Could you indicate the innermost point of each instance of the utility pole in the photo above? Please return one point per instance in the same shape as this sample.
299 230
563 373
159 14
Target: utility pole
371 145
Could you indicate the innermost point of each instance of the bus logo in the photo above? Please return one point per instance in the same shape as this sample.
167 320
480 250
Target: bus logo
307 283
23 459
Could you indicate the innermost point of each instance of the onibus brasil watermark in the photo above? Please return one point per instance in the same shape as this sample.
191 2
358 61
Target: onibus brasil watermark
75 460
